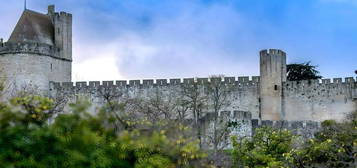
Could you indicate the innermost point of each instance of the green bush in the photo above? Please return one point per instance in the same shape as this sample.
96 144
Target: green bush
79 140
267 148
335 145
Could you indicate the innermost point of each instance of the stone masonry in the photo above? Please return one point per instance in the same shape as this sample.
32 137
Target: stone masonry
39 50
39 53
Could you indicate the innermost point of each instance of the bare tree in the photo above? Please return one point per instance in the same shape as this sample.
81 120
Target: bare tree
110 95
60 101
218 94
114 106
182 109
194 99
157 105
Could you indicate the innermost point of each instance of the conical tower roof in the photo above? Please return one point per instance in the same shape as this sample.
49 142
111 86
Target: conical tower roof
33 27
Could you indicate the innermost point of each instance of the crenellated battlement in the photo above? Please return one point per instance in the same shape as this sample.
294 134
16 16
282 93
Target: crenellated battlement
52 11
243 81
286 124
321 82
304 128
62 14
272 52
228 115
323 89
32 48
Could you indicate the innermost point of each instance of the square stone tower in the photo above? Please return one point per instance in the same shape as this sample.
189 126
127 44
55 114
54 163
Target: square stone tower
62 23
38 51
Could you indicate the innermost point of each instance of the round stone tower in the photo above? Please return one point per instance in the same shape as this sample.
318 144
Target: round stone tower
272 76
38 51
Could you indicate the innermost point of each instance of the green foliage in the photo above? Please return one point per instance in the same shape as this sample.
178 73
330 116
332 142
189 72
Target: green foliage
159 150
35 109
303 71
266 148
334 146
79 139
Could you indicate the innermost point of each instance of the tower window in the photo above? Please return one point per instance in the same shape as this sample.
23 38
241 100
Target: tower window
275 87
51 67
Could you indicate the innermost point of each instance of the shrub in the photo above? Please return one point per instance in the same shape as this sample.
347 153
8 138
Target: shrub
266 148
79 139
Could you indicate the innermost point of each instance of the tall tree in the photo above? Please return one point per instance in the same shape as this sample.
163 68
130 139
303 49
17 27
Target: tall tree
302 71
196 101
218 94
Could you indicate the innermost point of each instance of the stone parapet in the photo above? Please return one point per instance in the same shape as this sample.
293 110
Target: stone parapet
284 124
31 48
346 80
321 86
272 51
239 82
305 129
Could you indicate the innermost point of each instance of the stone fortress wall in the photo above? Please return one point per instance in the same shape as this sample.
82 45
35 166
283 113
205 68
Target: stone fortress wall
243 97
268 99
319 100
315 100
303 104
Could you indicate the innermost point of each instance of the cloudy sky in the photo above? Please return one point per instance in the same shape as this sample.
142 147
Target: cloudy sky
137 39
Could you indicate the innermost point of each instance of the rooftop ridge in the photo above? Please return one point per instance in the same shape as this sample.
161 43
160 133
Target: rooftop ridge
35 12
